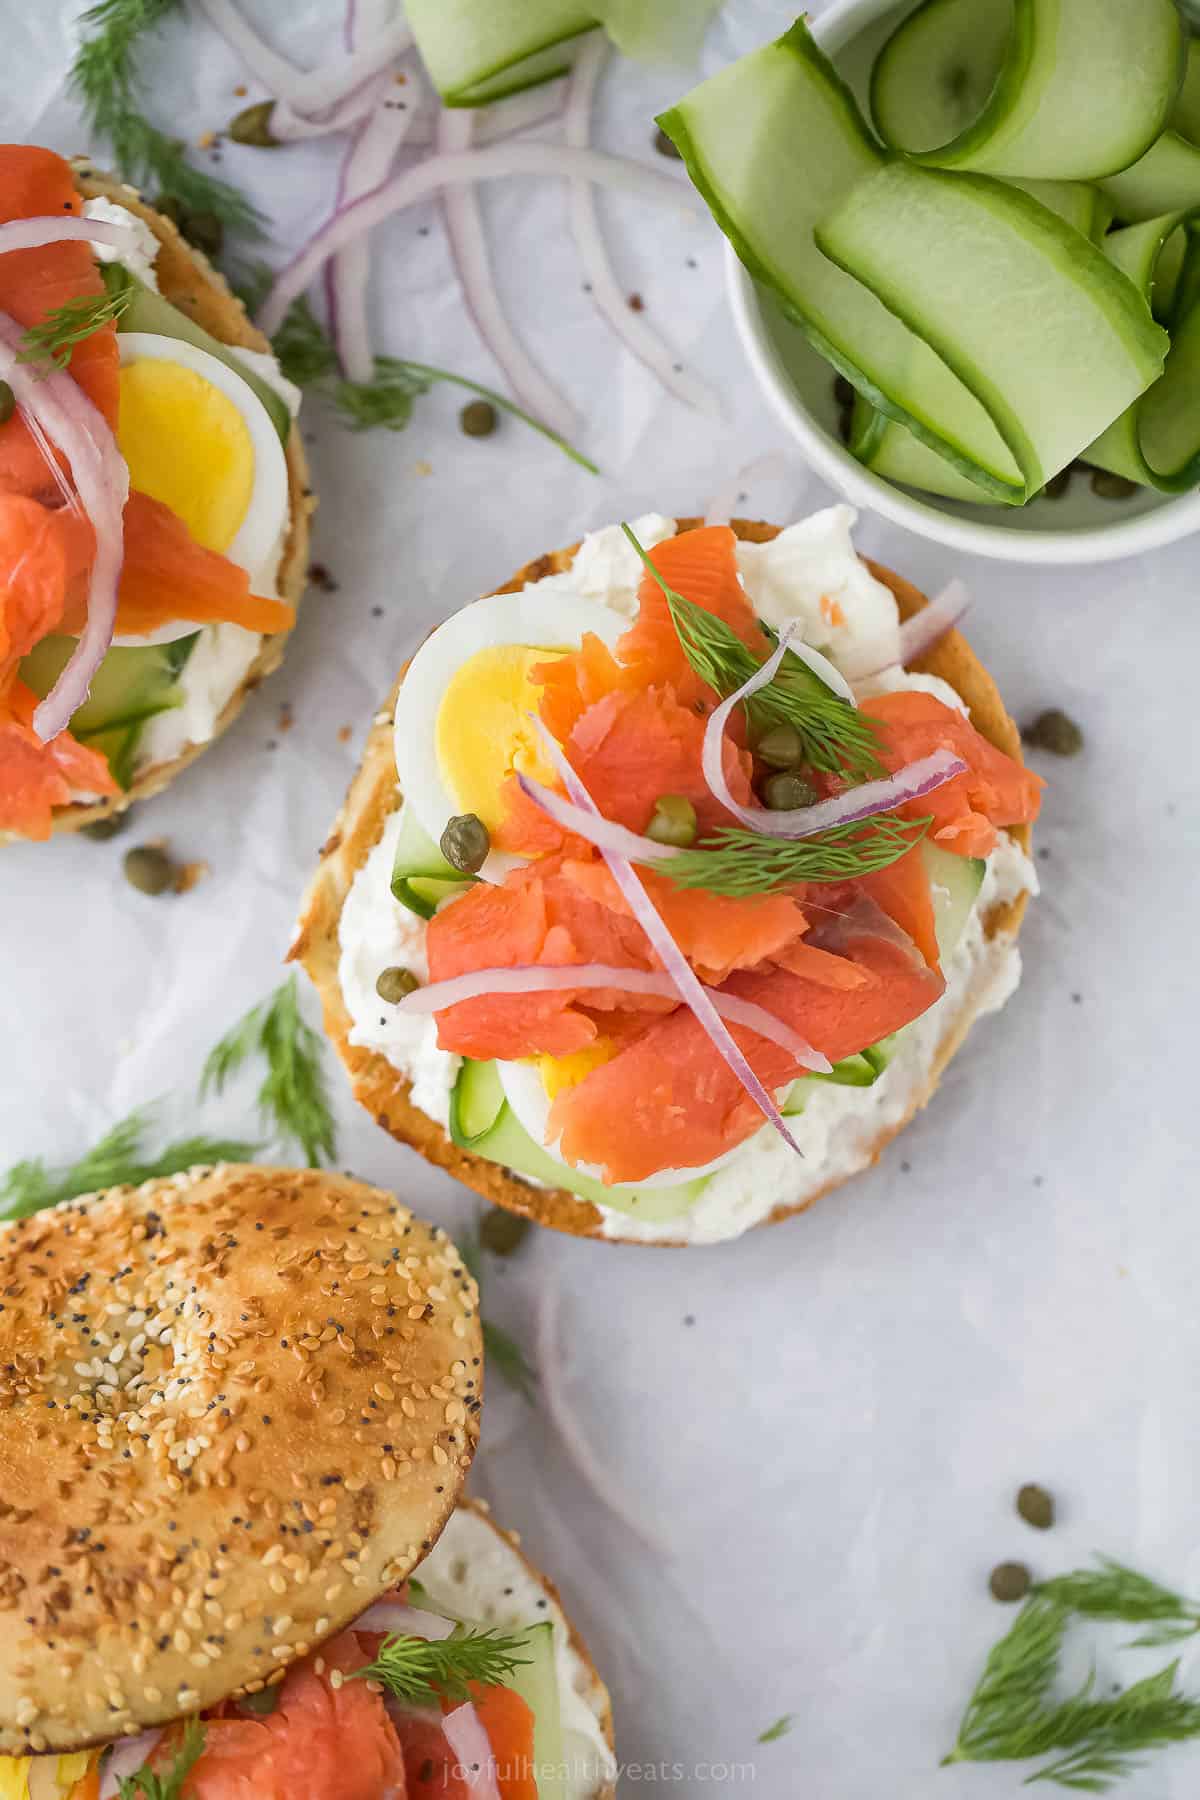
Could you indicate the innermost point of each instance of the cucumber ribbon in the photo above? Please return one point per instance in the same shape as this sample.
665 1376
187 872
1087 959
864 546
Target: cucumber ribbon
961 273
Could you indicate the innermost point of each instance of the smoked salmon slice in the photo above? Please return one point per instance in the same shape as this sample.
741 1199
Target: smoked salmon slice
702 566
37 777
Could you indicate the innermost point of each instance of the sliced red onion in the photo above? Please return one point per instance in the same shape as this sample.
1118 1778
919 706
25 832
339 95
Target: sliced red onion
724 503
521 112
861 802
305 92
127 1756
605 290
78 428
587 822
690 989
437 172
468 247
62 228
470 1743
367 165
539 978
291 127
396 1619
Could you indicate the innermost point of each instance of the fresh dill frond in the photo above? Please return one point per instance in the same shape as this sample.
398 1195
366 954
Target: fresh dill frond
293 1096
144 1784
779 1729
301 344
836 737
417 1670
105 78
52 341
119 1159
1115 1592
1013 1715
741 863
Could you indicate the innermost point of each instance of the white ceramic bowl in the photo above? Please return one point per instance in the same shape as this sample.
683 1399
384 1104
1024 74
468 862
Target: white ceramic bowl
1079 528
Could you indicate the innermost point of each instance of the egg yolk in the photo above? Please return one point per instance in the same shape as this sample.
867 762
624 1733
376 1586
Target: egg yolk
560 1072
485 728
187 445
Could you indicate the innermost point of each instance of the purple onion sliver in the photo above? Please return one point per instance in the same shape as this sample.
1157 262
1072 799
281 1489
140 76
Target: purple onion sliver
63 228
470 1743
587 823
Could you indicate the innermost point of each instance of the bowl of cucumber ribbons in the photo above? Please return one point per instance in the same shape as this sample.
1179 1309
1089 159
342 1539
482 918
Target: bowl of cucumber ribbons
964 258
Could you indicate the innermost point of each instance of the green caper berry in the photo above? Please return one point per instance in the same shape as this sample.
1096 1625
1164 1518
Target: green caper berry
786 791
106 828
148 869
1056 731
1107 486
8 403
478 418
465 843
253 126
1010 1582
1036 1506
502 1232
674 821
395 983
262 1703
780 748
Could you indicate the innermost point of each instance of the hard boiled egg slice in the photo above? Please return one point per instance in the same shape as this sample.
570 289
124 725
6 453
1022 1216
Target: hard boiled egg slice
198 438
463 718
530 1086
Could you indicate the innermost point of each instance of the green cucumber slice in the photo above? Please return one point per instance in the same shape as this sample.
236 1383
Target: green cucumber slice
773 143
132 684
947 252
482 1121
1167 179
1156 441
477 52
1186 117
536 1680
890 450
1081 203
118 745
954 882
1046 89
421 876
148 311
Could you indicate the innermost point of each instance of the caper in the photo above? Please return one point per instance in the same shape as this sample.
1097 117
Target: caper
8 403
395 983
1107 486
253 126
787 790
666 146
465 843
780 748
501 1231
1056 731
1010 1582
148 869
262 1703
108 827
478 418
674 821
1036 1506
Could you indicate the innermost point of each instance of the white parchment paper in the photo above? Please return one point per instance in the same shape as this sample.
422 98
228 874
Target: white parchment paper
825 1423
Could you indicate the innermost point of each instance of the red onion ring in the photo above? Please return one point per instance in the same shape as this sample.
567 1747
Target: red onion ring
690 989
861 802
62 228
468 249
539 978
305 92
394 1618
606 292
587 823
128 1755
470 1743
292 127
437 172
81 432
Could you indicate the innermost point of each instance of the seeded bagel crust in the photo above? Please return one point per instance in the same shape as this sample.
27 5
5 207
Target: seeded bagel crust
374 795
188 280
235 1407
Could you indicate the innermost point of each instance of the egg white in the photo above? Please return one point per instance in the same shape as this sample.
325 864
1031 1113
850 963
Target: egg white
255 546
524 1092
543 621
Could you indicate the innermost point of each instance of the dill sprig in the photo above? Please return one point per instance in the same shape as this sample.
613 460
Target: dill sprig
1115 1592
741 863
417 1670
52 341
1013 1715
105 77
119 1159
836 737
778 1730
293 1095
500 1349
144 1784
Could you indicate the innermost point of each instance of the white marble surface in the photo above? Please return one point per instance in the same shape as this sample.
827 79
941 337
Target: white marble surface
825 1422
